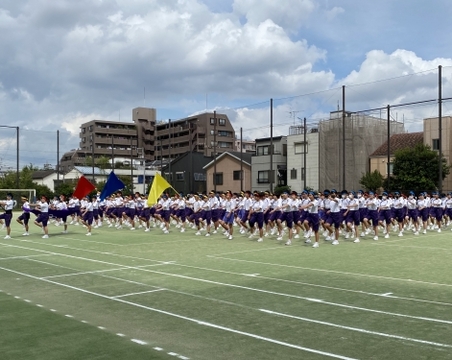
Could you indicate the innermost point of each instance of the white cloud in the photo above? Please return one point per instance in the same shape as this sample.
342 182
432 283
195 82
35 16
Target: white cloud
287 14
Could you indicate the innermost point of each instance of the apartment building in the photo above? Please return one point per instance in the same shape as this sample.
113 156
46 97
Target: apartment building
206 133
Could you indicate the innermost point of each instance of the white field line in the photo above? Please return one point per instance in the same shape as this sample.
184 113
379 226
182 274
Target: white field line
137 293
84 250
24 256
387 295
281 294
199 322
253 250
397 337
79 257
333 271
414 247
151 242
87 272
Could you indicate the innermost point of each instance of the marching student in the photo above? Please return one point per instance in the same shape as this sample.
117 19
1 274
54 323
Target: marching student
62 206
384 211
437 205
256 215
413 212
8 205
87 214
25 217
228 219
352 217
313 216
43 218
372 203
334 217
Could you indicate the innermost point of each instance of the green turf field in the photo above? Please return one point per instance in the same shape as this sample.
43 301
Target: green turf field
123 294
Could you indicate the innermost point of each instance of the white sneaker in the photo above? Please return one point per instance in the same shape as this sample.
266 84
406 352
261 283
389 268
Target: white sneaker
230 237
328 238
7 237
198 233
25 233
45 237
439 230
208 234
214 232
279 238
376 238
416 233
347 236
335 242
363 234
147 230
181 230
316 245
356 240
288 242
165 231
387 236
296 236
307 241
260 240
424 232
64 232
88 234
400 234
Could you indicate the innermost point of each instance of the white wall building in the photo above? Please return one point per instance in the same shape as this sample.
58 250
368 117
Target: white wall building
300 176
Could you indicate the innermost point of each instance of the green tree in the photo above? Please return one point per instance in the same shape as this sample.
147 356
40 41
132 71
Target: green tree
103 162
372 180
417 168
280 189
66 188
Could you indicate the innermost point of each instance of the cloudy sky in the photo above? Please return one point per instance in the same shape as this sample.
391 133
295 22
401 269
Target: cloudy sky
65 62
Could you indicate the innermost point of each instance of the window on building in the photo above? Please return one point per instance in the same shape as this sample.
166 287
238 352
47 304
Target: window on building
222 122
293 174
263 177
435 144
299 148
180 176
224 133
236 174
218 178
91 128
263 150
83 130
199 177
212 121
223 144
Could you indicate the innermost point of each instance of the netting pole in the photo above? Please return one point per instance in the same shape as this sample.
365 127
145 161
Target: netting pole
304 153
271 146
388 114
58 157
440 121
343 137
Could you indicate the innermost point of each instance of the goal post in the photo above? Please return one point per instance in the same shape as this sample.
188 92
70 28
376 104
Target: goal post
17 194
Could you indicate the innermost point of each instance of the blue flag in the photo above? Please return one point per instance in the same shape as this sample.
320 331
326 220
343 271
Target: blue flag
112 184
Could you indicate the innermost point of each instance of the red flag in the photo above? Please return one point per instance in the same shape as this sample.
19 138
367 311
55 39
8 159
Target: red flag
83 188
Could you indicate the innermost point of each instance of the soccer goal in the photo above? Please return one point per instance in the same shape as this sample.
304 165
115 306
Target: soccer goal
17 194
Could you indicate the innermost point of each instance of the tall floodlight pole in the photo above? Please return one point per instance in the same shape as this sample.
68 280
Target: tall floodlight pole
440 125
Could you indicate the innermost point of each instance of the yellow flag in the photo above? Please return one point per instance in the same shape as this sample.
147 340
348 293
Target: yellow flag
159 185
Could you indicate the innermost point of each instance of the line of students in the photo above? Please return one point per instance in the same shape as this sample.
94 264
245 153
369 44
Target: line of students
254 214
